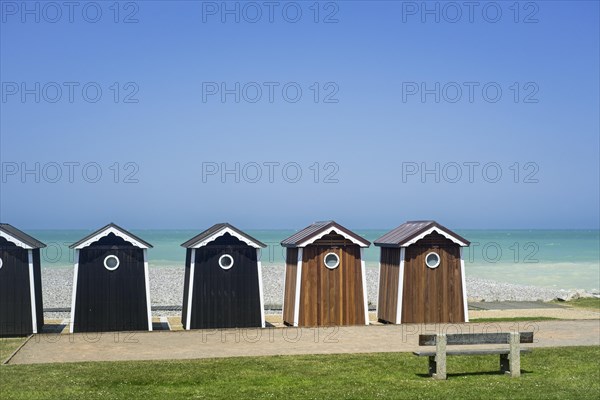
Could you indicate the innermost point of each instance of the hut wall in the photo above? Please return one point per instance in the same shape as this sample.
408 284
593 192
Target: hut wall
389 271
432 295
291 269
15 298
331 296
186 285
226 298
37 280
111 300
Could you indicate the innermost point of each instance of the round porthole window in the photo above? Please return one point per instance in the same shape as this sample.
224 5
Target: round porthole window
331 260
225 261
432 260
111 262
1 263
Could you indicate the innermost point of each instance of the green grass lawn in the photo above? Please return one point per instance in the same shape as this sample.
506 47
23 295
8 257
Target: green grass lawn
8 345
559 373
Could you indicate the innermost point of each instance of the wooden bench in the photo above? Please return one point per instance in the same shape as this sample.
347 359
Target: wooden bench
510 359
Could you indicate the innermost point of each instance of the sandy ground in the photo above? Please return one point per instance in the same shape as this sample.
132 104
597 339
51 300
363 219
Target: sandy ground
61 325
163 345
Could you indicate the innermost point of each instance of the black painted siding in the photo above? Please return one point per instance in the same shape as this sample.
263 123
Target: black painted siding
111 300
15 298
225 298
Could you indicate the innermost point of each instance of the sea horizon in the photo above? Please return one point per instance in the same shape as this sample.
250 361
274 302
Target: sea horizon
555 258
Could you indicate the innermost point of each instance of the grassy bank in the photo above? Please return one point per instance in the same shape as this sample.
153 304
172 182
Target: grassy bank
513 319
557 373
588 302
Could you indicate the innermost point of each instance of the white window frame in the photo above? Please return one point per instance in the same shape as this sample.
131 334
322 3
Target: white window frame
116 266
337 264
226 256
439 260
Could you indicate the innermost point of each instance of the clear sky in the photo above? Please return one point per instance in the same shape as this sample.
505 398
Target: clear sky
388 89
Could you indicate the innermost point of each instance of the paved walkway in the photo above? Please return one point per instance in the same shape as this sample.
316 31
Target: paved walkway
49 348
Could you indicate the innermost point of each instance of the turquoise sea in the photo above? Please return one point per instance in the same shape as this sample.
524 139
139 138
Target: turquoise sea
565 259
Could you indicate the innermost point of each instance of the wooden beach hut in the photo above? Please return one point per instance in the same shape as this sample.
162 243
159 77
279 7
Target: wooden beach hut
223 280
325 280
110 282
422 275
21 307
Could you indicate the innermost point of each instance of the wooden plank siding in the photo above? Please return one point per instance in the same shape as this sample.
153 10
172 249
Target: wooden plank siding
109 301
387 304
331 296
223 298
15 298
432 295
289 301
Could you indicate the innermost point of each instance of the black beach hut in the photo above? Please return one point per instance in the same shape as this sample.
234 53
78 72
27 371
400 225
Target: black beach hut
223 280
422 275
110 282
21 308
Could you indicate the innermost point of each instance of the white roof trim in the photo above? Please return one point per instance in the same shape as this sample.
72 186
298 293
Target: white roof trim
434 229
326 232
220 233
14 240
108 231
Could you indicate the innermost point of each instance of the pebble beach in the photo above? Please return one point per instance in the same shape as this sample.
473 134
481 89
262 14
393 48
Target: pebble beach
166 289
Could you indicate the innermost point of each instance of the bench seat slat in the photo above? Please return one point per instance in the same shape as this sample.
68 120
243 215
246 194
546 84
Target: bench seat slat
468 352
475 338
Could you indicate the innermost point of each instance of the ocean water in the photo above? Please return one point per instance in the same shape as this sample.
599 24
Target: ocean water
564 259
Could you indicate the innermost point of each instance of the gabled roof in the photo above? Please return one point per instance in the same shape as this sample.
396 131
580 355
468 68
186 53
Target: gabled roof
105 231
218 230
410 232
319 229
19 237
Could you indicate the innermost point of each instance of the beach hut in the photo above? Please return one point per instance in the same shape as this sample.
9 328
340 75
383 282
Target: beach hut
223 280
21 308
325 280
110 282
422 275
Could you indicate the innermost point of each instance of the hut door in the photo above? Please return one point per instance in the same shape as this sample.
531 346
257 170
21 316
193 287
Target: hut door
432 295
226 292
331 296
15 300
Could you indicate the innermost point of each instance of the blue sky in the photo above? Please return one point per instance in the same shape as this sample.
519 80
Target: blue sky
369 132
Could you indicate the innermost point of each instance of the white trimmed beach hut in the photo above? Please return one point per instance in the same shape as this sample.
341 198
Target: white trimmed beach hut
111 290
223 280
422 275
21 306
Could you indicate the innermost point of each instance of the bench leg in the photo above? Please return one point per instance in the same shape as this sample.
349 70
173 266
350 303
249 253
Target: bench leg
515 355
504 365
440 358
432 365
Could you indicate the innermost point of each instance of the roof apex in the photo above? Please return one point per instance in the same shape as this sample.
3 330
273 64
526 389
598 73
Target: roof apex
218 230
107 229
319 229
25 240
411 231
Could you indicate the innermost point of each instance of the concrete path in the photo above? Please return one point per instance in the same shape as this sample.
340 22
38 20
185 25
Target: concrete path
49 348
